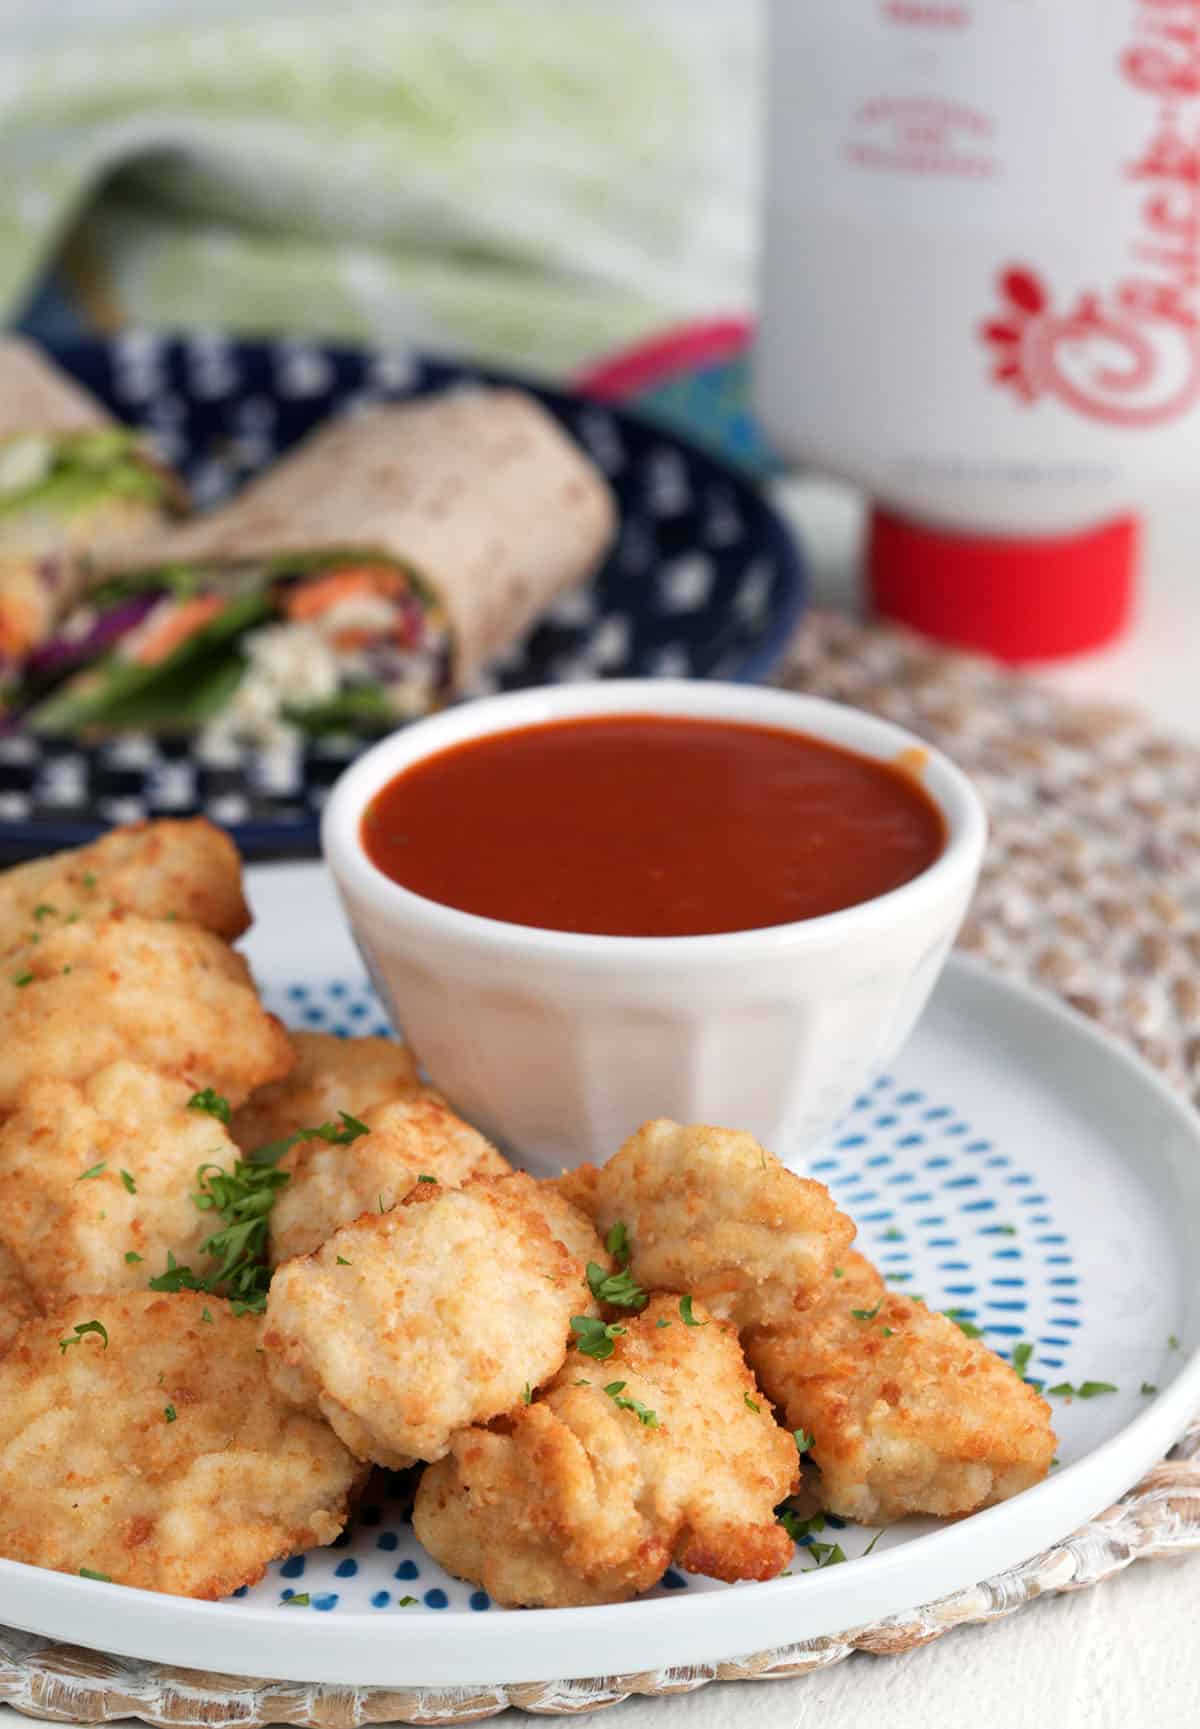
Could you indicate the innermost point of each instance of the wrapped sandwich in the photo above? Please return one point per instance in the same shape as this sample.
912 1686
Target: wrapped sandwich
362 580
76 488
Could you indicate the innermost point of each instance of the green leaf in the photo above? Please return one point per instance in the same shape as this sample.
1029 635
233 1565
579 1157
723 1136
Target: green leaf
751 1404
214 1104
1020 1357
82 1329
617 1243
595 1338
90 1573
132 1257
620 1290
685 1311
169 1414
867 1314
92 1171
128 1183
1086 1390
300 1600
804 1441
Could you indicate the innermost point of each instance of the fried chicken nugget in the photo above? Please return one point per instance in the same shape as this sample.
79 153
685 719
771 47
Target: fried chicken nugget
154 1451
665 1452
97 1171
171 996
908 1415
16 1299
331 1184
330 1075
186 870
407 1325
709 1212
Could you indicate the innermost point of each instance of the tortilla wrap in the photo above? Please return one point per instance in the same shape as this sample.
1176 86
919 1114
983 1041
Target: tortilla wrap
479 493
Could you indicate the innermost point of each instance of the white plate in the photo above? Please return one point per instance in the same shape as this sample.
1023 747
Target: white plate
1004 1111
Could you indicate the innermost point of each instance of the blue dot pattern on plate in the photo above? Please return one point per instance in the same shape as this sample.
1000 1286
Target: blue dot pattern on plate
945 1211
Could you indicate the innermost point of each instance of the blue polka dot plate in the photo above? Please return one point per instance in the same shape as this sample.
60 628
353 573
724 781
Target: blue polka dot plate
703 580
1016 1166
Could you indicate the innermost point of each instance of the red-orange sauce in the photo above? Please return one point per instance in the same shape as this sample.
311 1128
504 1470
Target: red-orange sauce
651 826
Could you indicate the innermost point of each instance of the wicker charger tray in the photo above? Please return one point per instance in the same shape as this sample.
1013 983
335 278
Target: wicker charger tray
1091 889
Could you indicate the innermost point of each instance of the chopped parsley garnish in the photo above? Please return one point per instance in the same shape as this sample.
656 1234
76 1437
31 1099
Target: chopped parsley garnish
1172 1342
892 1235
617 1243
424 1179
343 1262
963 1322
867 1314
1005 1230
336 1134
581 1383
206 1316
1148 1389
88 879
406 1602
621 1290
90 1573
871 1544
826 1554
527 1394
888 1331
128 1183
646 1417
214 1104
595 1338
23 979
132 1257
803 1440
798 1529
1020 1357
751 1404
686 1315
1085 1390
243 1197
82 1328
43 910
662 1322
300 1601
839 1272
169 1414
92 1171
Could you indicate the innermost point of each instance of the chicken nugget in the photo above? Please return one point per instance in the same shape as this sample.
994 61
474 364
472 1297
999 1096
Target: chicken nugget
171 996
407 1325
187 870
140 1440
330 1075
415 1136
98 1178
907 1414
16 1299
665 1451
710 1213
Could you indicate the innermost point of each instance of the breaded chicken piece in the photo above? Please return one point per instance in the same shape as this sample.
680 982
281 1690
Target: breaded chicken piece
171 996
709 1212
665 1452
330 1075
407 1325
96 1171
187 870
331 1184
908 1415
161 1458
16 1300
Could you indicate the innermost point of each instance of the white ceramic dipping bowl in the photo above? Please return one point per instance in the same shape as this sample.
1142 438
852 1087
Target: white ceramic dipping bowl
560 1045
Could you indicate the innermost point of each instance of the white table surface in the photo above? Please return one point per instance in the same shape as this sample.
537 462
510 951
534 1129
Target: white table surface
1123 1656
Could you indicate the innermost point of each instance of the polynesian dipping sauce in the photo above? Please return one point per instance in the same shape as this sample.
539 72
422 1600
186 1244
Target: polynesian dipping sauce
651 826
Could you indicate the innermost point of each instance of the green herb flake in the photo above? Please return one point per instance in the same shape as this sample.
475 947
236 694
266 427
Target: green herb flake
206 1316
803 1440
888 1332
424 1179
169 1414
963 1322
595 1338
44 910
128 1183
82 1328
92 1171
621 1290
1020 1357
1086 1390
893 1235
662 1322
214 1104
839 1272
1172 1342
90 1573
1148 1389
751 1404
686 1315
343 1262
826 1554
796 1527
867 1314
88 879
617 1243
871 1545
301 1600
132 1257
1005 1230
527 1394
406 1602
646 1417
23 979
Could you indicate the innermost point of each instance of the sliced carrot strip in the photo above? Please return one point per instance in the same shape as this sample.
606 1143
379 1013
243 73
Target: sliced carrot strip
310 599
182 621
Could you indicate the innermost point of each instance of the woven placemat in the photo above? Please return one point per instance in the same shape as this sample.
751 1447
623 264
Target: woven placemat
1091 889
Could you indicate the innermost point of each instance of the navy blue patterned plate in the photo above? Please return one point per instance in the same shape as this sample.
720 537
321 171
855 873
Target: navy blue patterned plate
704 580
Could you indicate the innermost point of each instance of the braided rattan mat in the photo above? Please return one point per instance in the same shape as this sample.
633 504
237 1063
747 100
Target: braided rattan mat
1092 889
